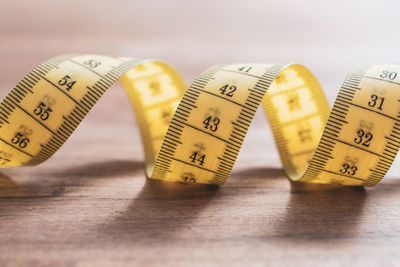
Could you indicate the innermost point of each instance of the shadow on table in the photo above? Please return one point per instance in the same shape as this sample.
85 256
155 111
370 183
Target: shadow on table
54 183
317 211
7 186
103 169
160 210
313 211
256 175
167 211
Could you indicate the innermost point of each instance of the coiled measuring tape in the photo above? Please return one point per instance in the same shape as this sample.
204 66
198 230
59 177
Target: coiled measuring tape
194 134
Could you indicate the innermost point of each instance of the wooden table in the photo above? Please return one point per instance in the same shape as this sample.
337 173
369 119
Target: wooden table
91 205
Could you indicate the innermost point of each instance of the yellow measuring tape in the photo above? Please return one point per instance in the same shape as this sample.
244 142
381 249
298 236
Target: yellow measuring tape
194 134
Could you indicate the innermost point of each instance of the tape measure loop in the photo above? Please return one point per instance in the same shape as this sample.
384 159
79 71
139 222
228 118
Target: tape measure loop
194 134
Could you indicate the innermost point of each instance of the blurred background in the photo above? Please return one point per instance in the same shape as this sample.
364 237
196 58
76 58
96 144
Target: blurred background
330 37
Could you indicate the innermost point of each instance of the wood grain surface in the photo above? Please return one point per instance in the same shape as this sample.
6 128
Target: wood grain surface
91 205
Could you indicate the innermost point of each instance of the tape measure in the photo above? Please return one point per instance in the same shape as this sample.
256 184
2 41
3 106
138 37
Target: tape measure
194 134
